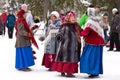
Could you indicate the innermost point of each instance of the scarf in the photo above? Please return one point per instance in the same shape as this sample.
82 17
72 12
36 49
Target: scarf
19 20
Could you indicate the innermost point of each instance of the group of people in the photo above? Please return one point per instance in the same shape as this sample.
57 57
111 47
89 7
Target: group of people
63 43
64 47
7 20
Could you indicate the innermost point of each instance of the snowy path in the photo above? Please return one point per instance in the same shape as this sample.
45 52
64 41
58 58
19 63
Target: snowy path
111 66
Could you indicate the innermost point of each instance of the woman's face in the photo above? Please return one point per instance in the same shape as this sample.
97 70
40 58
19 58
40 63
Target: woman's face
11 12
113 12
72 19
67 17
52 17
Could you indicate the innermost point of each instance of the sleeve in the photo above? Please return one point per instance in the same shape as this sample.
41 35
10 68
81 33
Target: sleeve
60 34
21 30
117 21
14 20
58 24
85 32
82 20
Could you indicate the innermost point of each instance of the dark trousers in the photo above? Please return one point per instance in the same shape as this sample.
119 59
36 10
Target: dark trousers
4 28
10 32
114 38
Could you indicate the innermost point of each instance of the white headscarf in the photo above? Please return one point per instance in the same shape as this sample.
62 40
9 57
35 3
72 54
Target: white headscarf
93 22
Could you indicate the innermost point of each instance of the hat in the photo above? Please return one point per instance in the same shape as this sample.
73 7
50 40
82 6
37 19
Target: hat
114 10
71 14
56 14
23 6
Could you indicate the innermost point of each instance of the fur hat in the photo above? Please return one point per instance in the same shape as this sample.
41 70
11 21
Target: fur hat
115 10
23 6
56 14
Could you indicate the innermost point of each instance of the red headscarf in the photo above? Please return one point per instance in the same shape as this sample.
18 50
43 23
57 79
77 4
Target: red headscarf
22 19
71 14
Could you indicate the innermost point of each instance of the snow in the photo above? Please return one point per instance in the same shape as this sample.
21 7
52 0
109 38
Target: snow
111 64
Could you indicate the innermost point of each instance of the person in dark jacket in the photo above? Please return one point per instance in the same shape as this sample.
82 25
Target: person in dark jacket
68 52
114 32
10 22
1 27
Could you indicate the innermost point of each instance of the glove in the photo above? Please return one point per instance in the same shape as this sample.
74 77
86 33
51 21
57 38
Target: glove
59 37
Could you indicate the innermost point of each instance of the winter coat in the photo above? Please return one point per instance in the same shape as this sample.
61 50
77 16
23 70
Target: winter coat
10 20
69 46
22 39
50 41
24 36
115 24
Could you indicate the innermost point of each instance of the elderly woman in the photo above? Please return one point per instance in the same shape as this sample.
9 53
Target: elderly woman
68 52
91 59
50 41
24 37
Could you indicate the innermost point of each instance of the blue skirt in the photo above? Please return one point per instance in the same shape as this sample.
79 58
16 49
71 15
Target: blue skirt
24 57
91 60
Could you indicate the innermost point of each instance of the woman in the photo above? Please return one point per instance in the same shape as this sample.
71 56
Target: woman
50 41
91 59
68 52
24 37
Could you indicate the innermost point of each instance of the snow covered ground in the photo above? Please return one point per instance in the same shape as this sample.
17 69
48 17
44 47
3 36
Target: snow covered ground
111 65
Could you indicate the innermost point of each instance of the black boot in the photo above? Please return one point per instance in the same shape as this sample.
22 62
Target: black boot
62 74
70 75
93 76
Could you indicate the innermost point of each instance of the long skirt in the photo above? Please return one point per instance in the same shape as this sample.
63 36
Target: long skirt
65 67
50 51
91 60
48 60
24 57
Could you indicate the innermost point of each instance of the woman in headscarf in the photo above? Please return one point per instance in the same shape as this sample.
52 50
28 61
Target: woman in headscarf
24 37
68 52
50 41
91 59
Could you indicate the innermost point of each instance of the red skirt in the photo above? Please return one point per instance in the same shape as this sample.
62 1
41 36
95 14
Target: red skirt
65 67
48 60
